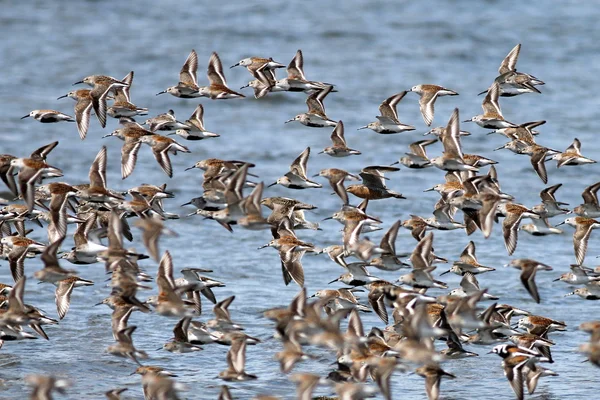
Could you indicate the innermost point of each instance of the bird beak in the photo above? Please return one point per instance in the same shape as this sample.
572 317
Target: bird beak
557 279
325 219
569 294
489 133
98 304
105 136
25 116
444 273
479 94
397 162
245 86
164 91
77 83
192 167
63 96
429 190
362 127
562 223
321 152
290 120
234 65
263 246
272 184
467 120
500 148
335 280
315 175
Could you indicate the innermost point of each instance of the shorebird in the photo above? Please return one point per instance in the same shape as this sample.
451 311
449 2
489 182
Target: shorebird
417 157
579 275
195 129
517 361
83 109
510 226
421 278
590 207
130 133
254 63
336 178
590 292
428 95
469 286
452 158
528 269
572 156
52 271
513 83
388 259
161 147
97 190
291 250
296 178
583 230
180 342
87 243
122 106
453 187
169 302
236 361
492 115
115 394
373 185
283 207
540 227
125 348
187 87
31 171
18 247
48 116
165 122
339 148
550 207
315 117
153 228
218 88
102 86
264 82
43 386
388 121
468 262
62 295
443 218
295 80
433 376
357 275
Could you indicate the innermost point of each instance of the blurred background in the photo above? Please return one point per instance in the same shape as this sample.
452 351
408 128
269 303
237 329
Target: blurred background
369 50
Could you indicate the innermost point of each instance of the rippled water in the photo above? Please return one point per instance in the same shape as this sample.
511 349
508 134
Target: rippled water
370 50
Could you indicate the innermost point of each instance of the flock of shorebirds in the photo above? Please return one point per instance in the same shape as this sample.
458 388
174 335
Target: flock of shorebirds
418 320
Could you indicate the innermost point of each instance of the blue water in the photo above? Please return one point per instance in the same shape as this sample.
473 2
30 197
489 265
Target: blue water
370 50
